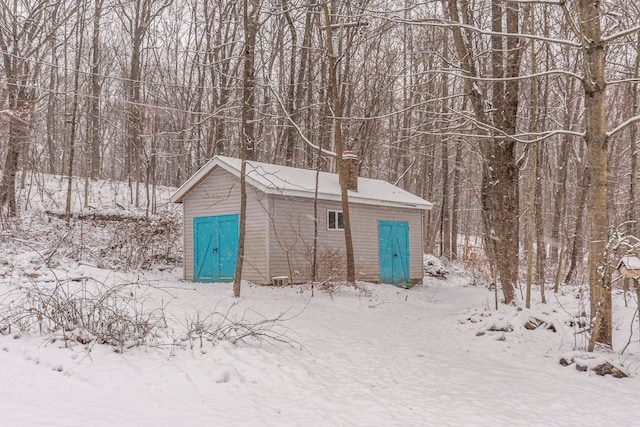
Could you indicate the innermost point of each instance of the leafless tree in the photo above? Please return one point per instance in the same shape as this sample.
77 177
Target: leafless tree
25 29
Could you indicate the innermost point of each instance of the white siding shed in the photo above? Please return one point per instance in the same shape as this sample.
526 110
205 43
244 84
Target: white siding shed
387 225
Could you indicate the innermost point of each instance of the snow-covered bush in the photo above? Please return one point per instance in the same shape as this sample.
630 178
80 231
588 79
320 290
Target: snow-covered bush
434 267
124 316
83 311
138 243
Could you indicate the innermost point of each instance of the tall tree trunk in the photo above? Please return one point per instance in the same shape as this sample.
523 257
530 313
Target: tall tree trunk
337 120
288 131
560 198
445 223
533 169
632 215
499 188
597 172
51 109
445 216
305 69
500 156
94 100
250 19
540 246
74 115
249 83
135 110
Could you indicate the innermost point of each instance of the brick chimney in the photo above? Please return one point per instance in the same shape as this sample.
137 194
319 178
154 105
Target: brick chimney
350 170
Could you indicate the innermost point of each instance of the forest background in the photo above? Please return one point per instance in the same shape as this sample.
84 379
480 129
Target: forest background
518 119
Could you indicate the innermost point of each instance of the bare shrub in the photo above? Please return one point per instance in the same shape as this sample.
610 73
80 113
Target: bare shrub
83 312
332 287
218 326
327 286
123 316
330 265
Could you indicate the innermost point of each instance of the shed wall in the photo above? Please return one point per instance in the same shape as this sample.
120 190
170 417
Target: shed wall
291 239
364 224
219 194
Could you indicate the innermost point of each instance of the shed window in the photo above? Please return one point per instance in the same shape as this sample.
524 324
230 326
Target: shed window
334 220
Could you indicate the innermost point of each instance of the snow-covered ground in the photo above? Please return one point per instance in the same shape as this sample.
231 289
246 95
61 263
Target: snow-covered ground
437 354
380 358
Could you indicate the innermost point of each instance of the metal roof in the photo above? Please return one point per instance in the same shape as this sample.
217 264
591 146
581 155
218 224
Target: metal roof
289 181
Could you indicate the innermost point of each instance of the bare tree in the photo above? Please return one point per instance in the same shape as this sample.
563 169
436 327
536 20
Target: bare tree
137 18
495 113
250 17
25 28
94 100
79 33
337 119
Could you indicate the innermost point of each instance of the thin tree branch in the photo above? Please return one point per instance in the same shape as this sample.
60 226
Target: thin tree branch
623 126
450 24
295 125
620 34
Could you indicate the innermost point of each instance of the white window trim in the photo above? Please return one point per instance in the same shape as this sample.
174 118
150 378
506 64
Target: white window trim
336 212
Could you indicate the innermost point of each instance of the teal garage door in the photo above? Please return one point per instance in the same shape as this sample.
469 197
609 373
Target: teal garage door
393 243
215 248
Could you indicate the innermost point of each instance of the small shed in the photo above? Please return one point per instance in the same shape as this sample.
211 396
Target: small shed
386 221
629 266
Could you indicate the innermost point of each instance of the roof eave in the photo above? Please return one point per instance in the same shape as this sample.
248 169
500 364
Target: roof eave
207 170
195 179
352 199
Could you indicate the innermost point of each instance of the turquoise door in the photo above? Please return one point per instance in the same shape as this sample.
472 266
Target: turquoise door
215 248
393 243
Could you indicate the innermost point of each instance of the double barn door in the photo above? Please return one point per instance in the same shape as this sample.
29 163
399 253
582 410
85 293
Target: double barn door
215 248
393 243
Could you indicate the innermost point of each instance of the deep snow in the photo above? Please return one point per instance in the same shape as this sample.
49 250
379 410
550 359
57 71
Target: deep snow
394 357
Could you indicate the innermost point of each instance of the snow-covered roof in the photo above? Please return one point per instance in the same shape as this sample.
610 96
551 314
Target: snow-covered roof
288 181
630 262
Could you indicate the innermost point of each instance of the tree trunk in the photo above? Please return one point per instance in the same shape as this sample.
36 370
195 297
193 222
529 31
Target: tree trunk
597 173
337 120
578 234
427 188
445 223
455 214
533 168
94 101
250 19
632 216
499 188
249 84
51 109
287 134
74 117
500 156
539 223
